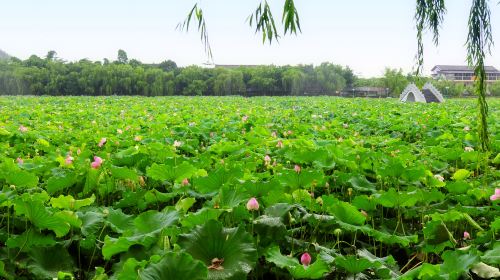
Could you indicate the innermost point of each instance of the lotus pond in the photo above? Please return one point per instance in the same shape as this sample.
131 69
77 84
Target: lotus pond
255 188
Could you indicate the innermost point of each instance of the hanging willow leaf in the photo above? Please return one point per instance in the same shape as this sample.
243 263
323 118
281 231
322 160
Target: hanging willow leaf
429 14
264 22
202 27
290 17
479 42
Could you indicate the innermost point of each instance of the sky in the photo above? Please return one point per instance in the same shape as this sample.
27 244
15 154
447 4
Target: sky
365 35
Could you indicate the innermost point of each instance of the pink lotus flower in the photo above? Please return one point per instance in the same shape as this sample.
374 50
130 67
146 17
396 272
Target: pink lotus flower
290 132
68 160
244 118
119 131
305 259
102 142
297 168
267 160
466 235
138 138
177 143
23 129
439 177
466 128
185 182
96 163
496 195
252 204
468 149
274 134
19 160
345 125
280 144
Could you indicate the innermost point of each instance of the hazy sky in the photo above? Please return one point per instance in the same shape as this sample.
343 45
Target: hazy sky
367 35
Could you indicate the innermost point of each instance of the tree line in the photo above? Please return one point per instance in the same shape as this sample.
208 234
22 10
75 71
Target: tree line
53 76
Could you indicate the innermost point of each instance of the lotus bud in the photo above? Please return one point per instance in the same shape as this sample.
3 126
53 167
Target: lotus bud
297 168
185 182
23 129
305 259
496 195
69 160
102 142
466 235
252 204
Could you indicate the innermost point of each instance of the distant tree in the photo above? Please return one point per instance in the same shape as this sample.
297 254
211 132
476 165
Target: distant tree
135 62
330 77
349 77
51 55
122 57
168 65
395 81
229 82
35 61
196 87
186 76
494 88
293 81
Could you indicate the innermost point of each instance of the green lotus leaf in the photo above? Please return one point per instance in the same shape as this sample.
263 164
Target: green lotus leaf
461 174
212 242
68 202
293 180
61 179
130 269
274 255
215 180
42 218
153 221
47 262
316 270
124 173
352 264
457 263
162 172
30 239
91 181
92 222
184 204
346 213
21 178
175 265
270 229
119 221
144 231
492 256
360 183
200 217
230 197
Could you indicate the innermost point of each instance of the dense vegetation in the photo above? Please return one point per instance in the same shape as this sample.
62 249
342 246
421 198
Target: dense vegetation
263 188
51 76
